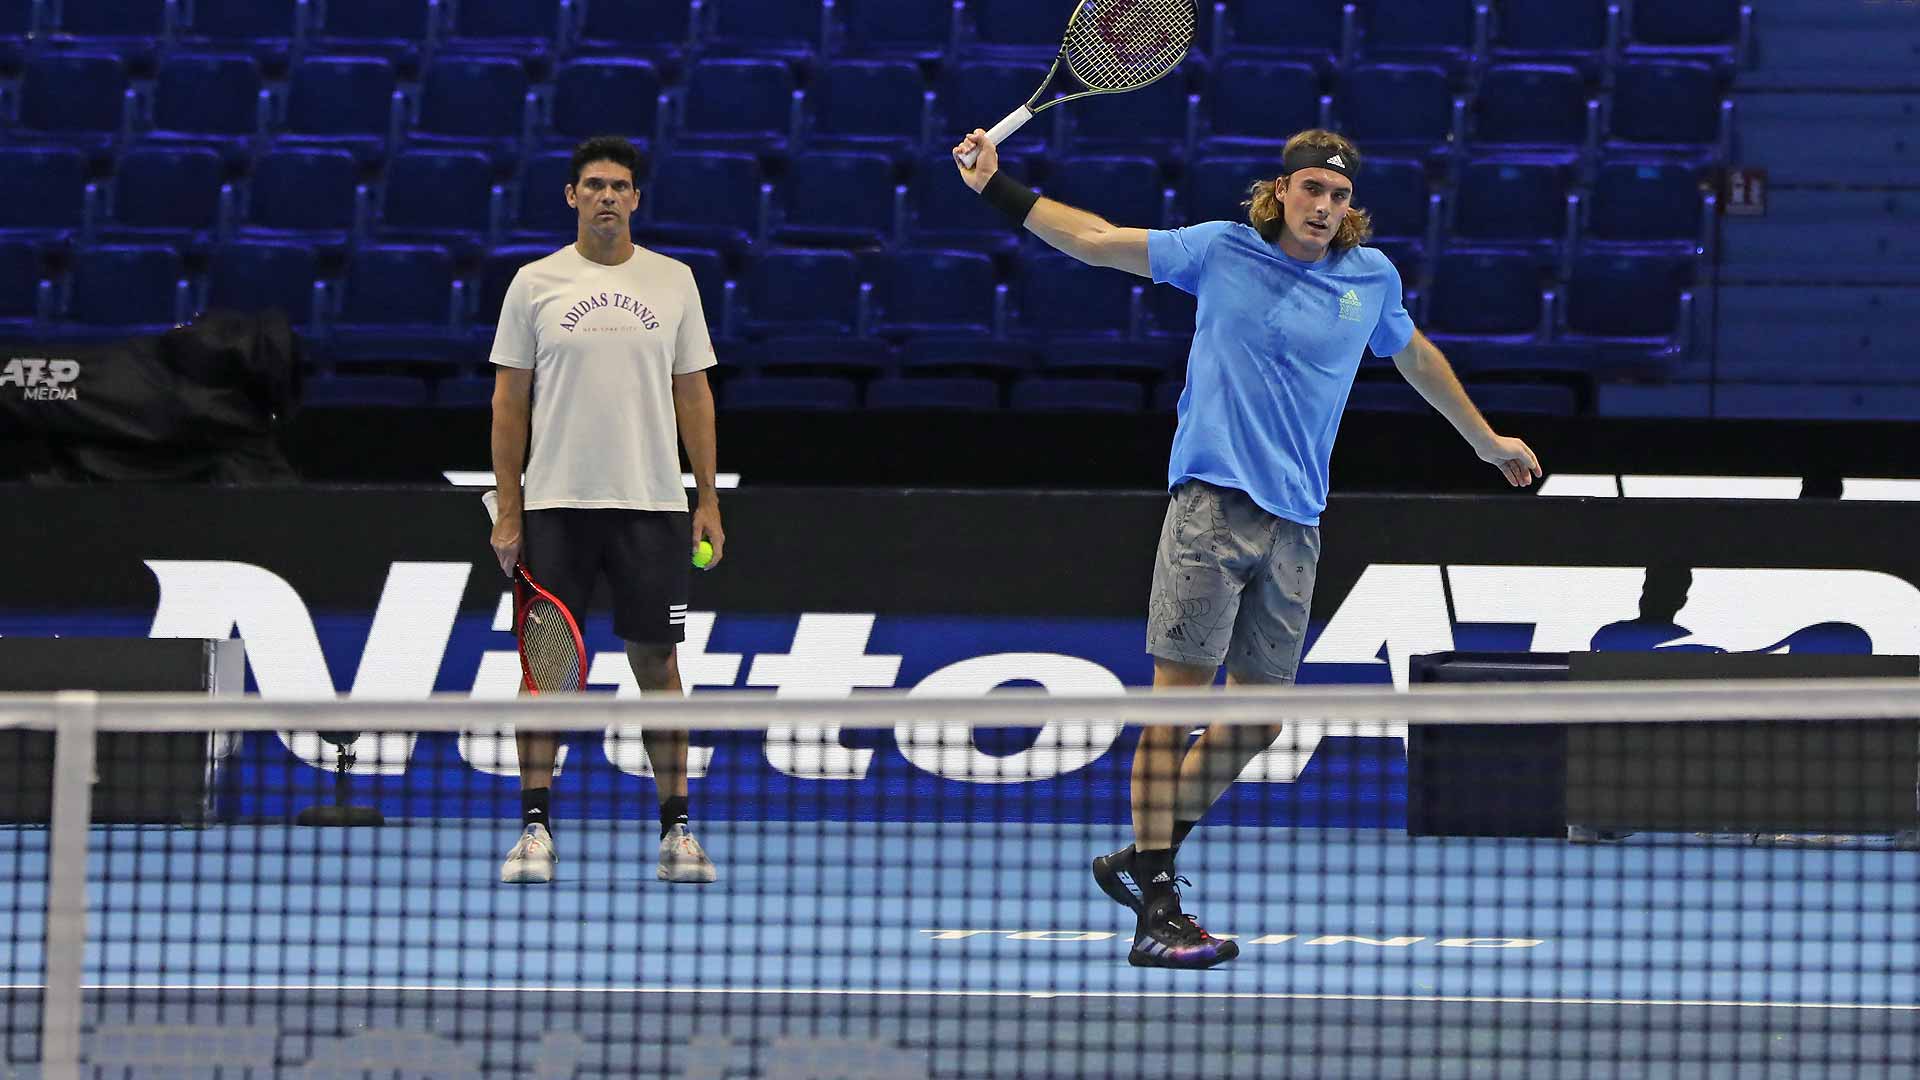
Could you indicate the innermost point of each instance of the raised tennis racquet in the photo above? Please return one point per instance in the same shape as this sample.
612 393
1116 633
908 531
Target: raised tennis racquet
553 656
1111 47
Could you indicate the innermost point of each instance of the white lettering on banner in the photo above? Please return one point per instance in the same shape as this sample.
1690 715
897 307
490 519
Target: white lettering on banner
1489 943
415 618
1565 605
828 660
1747 610
1385 943
1396 608
1061 746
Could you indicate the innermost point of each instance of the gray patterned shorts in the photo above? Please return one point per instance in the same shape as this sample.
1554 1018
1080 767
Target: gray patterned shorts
1231 583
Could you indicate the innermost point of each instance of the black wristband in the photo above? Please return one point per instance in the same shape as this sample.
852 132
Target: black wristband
1010 197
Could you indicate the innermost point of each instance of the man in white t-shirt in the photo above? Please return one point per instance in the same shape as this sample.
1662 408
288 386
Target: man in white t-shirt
601 354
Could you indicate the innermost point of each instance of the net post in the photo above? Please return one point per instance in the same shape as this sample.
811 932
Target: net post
76 719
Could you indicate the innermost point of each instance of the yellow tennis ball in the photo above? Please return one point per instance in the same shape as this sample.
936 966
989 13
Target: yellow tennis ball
703 555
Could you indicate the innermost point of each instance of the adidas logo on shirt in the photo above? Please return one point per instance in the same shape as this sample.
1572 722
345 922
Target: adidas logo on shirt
1350 305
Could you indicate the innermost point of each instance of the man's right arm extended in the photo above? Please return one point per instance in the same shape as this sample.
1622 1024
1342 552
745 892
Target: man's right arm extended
1087 237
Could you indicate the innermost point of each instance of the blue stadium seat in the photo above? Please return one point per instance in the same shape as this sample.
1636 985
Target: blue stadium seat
129 287
264 28
1479 293
934 293
1062 297
261 276
133 28
43 190
1171 313
398 302
447 196
834 354
743 104
210 99
1255 105
1583 33
396 30
922 29
977 94
1518 202
593 95
544 216
802 292
870 104
1398 109
529 29
179 194
1712 30
24 288
497 268
364 391
345 101
1018 25
1622 296
967 356
1135 360
464 392
1646 202
1445 32
935 394
1398 198
1160 120
1217 186
796 393
480 100
793 28
706 200
1533 106
633 27
1390 395
1666 103
1318 31
311 193
839 200
947 214
82 97
1525 399
709 277
1127 191
1078 395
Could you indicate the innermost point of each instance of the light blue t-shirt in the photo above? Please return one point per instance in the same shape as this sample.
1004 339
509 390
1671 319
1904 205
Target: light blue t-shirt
1274 355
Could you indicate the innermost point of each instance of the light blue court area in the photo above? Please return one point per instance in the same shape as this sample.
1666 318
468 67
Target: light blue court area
902 951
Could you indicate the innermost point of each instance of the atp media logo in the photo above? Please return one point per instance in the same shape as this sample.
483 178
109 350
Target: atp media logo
40 379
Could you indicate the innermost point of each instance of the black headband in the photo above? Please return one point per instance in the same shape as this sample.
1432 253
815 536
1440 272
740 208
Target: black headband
1311 157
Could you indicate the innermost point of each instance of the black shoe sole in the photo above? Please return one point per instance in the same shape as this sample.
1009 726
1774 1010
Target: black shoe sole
1105 876
1139 959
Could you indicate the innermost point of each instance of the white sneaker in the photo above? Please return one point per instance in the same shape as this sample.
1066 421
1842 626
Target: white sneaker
683 860
531 860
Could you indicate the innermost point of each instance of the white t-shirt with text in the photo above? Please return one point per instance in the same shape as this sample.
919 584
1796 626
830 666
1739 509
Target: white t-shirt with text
604 343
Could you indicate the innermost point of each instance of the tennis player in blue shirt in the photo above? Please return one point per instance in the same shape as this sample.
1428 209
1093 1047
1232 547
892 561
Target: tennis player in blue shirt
1289 302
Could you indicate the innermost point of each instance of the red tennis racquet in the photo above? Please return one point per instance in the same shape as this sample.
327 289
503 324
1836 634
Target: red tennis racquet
553 656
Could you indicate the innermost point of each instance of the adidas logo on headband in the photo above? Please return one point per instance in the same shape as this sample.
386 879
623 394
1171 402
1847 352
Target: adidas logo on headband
1337 160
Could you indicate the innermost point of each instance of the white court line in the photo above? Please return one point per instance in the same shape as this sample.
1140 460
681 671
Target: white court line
801 991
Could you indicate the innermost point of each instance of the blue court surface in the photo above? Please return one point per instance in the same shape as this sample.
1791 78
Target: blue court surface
901 951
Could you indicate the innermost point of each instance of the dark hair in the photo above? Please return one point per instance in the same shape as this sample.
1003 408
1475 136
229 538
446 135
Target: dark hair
607 148
1264 210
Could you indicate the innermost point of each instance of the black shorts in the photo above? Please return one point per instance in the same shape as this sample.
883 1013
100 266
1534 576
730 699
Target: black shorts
644 555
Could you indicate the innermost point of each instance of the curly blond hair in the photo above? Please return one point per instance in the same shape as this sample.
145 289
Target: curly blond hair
1264 210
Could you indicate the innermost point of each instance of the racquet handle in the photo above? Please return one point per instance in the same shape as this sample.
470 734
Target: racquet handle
1001 132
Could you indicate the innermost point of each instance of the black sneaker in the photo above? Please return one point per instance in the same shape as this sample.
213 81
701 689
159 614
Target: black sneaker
1170 938
1114 874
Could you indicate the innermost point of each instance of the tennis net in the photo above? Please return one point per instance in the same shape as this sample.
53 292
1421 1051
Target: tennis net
1659 879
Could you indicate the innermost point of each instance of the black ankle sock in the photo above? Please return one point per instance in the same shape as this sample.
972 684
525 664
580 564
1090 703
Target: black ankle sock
1180 831
1153 872
536 808
673 811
